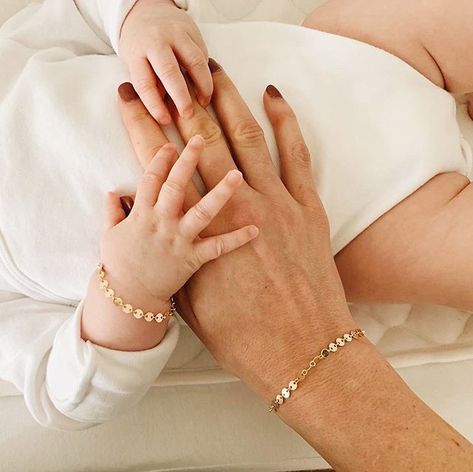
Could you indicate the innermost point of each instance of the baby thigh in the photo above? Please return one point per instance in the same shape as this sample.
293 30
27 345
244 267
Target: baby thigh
392 25
418 252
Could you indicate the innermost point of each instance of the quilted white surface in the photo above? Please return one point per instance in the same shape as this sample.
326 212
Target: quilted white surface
407 335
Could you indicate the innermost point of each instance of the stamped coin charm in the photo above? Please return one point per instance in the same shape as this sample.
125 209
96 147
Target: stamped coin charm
286 393
118 301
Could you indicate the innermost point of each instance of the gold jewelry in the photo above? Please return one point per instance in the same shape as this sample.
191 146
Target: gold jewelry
324 353
126 307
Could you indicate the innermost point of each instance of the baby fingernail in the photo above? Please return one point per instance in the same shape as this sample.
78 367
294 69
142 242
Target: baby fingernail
253 231
127 92
273 92
234 177
214 66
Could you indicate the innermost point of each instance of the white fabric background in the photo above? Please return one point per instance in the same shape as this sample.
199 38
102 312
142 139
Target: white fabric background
202 421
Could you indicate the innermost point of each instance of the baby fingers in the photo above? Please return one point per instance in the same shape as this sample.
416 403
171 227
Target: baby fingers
202 214
173 191
148 88
154 176
212 248
196 63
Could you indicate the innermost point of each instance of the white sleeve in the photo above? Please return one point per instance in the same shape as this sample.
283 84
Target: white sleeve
106 17
69 383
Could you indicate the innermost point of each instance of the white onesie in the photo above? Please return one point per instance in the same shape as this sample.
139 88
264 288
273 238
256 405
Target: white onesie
377 130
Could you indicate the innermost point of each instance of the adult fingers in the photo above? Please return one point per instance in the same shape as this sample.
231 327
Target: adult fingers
145 82
216 160
243 133
154 177
171 197
145 134
167 69
193 59
212 248
202 214
296 164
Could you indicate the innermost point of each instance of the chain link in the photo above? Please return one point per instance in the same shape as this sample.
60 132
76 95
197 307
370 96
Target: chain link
324 353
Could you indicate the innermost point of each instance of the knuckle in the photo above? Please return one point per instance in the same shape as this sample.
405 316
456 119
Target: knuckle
173 187
169 71
195 262
196 61
144 86
219 247
202 212
248 132
208 129
243 215
150 177
300 154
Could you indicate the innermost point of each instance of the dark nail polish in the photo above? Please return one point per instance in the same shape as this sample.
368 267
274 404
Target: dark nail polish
127 204
127 92
214 66
273 92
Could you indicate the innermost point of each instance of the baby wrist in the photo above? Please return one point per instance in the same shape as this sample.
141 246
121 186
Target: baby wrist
167 311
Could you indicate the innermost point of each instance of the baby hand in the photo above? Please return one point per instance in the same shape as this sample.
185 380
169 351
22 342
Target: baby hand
156 249
157 39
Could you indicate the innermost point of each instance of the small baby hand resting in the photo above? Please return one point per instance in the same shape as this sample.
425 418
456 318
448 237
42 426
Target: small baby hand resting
157 40
150 254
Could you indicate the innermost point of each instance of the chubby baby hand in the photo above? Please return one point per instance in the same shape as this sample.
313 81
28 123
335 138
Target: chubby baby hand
158 41
156 248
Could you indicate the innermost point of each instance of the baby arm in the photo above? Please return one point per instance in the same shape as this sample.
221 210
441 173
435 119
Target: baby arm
149 255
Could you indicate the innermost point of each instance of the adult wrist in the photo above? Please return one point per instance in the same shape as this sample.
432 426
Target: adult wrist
308 330
331 394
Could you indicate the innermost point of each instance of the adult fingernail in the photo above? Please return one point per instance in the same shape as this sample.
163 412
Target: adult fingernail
214 66
127 204
127 92
273 92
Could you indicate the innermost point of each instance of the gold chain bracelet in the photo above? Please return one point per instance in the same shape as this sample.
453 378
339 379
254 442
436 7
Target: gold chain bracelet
324 353
126 307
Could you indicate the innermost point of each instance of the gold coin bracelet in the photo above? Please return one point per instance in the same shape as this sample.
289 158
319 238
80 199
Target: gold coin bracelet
126 307
324 353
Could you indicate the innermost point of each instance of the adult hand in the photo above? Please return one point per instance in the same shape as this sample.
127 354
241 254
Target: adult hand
266 310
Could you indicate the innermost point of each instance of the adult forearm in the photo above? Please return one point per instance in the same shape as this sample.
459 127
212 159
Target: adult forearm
359 415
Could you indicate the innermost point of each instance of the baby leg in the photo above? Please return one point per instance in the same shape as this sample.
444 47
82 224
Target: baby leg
420 251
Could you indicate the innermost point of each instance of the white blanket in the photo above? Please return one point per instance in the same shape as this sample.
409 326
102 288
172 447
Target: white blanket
378 130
